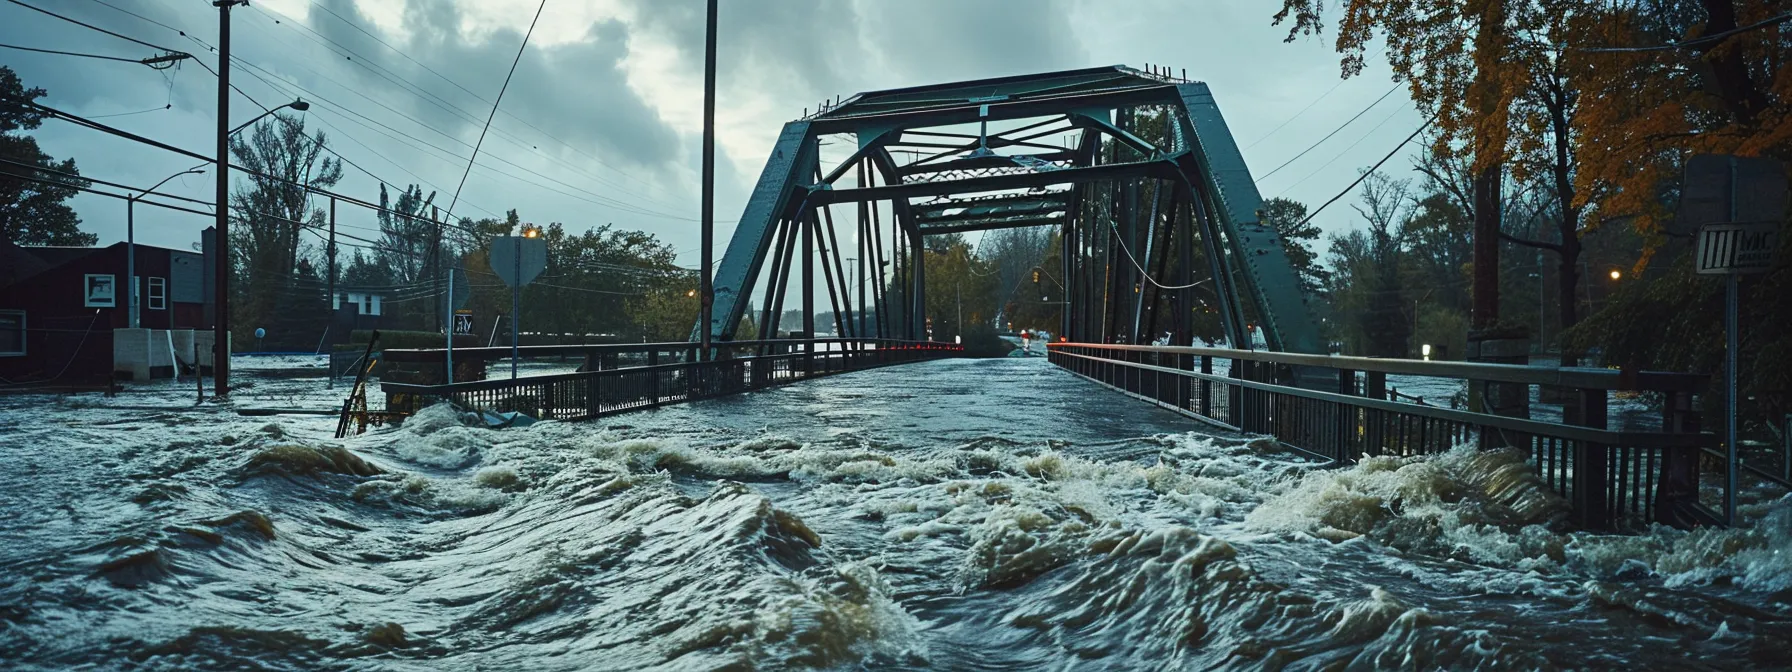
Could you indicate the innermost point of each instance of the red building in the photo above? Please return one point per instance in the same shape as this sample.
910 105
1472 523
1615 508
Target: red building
59 306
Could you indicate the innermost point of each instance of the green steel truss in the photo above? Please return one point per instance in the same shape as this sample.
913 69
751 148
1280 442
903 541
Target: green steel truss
1136 170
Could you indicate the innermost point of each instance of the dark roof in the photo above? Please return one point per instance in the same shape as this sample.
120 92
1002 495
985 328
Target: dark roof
18 263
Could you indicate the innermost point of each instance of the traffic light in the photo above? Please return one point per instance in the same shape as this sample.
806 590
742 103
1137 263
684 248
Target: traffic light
1035 276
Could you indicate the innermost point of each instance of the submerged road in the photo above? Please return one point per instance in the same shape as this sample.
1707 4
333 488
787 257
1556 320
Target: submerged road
960 514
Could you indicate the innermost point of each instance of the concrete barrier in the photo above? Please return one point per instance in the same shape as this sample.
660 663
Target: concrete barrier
148 354
130 354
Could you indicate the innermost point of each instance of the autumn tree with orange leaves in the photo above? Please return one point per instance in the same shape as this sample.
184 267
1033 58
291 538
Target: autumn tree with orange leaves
1455 58
1660 82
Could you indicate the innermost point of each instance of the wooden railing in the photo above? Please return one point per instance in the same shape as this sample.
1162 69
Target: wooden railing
1611 478
680 376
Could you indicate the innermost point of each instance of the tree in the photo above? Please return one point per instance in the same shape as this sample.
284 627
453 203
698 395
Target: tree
1369 301
1383 204
270 208
1645 105
1015 254
1454 56
34 212
961 289
409 239
1287 217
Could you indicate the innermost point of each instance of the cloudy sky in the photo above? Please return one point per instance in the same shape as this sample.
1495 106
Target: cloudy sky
602 123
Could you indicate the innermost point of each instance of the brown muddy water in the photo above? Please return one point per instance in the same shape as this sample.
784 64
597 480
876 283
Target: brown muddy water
969 515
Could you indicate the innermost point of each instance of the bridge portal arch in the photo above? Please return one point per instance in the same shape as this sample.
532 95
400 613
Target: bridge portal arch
1154 208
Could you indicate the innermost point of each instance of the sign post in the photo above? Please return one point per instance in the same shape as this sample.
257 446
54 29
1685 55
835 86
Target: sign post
459 290
1738 204
1732 250
528 257
449 374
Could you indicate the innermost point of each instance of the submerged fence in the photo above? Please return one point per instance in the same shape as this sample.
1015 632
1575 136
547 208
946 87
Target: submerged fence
1338 408
619 378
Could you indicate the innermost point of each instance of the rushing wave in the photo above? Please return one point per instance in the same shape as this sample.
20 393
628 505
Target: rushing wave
811 539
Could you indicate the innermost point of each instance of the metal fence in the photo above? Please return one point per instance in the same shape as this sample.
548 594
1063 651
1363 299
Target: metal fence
620 378
1337 408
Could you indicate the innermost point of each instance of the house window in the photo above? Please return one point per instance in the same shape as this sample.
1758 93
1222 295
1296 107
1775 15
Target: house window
366 304
158 293
12 333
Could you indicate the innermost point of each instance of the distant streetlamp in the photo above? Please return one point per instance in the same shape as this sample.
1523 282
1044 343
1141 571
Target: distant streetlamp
1616 274
299 105
221 230
130 235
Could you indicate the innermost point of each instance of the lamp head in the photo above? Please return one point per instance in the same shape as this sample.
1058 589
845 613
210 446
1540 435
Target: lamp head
300 105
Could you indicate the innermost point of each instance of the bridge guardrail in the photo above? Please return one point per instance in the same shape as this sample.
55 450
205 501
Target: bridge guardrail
1609 477
738 367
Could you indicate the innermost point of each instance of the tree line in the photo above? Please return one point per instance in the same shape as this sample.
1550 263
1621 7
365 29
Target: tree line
603 284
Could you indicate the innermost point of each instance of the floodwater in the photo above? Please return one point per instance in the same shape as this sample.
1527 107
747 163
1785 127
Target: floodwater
965 514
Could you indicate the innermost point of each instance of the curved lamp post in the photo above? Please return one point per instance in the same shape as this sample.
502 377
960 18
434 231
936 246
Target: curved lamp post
221 282
130 234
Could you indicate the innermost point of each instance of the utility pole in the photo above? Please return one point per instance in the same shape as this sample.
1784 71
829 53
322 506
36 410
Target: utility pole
331 252
707 290
221 288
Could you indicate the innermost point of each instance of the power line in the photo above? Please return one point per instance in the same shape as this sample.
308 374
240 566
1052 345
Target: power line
364 120
74 53
600 199
84 178
1302 111
1697 41
1367 173
126 114
97 28
91 190
1346 150
1335 131
140 16
245 95
469 92
494 114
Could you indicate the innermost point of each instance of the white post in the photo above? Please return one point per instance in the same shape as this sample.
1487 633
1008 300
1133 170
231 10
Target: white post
450 327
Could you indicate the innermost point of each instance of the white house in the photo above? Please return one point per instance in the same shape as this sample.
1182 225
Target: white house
365 301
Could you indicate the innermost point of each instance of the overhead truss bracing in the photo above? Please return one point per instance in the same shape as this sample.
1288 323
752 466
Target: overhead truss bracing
1155 211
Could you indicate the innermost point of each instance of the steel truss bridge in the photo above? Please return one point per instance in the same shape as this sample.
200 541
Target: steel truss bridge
1156 214
1135 171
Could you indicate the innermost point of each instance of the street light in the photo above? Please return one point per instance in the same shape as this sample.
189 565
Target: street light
299 105
130 229
221 229
1616 274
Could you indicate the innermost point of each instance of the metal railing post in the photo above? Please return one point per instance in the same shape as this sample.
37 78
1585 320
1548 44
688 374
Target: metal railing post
1591 466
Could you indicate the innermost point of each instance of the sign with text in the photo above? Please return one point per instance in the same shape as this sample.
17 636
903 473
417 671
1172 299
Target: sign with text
463 322
1736 248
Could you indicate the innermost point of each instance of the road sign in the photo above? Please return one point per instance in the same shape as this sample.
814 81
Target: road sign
518 260
1736 248
1722 189
463 322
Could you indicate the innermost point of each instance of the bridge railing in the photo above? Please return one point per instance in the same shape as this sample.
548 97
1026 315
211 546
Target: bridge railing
652 381
1610 477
